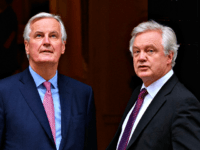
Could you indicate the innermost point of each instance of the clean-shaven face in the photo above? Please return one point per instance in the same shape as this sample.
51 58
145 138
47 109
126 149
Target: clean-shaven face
149 59
45 44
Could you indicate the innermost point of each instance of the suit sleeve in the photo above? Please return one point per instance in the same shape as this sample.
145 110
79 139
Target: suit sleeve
90 136
186 125
2 123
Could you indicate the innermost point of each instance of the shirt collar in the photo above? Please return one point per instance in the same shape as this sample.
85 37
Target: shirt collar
157 85
39 80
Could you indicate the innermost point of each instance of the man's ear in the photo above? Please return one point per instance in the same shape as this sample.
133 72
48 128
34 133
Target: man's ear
63 47
170 57
26 43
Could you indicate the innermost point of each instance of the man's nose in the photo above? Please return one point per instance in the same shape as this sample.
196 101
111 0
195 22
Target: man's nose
142 55
46 41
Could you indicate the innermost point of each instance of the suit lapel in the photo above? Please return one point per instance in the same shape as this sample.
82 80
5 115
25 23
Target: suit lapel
65 93
31 95
130 104
153 108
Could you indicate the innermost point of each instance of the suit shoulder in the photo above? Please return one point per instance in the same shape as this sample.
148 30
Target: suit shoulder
9 81
73 83
181 92
182 89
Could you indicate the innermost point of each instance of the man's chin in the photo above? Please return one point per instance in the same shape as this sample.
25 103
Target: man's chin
143 75
46 61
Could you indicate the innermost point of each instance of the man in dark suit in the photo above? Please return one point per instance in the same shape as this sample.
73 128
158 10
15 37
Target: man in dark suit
165 115
39 108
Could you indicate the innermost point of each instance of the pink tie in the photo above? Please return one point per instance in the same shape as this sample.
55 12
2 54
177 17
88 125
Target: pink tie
49 108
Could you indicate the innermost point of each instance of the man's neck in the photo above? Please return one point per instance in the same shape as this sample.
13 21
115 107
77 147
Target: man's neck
151 80
46 71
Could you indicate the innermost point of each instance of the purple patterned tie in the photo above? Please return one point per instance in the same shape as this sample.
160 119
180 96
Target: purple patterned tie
125 137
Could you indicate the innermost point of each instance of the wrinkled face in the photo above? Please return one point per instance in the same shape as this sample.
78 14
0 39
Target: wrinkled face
45 44
149 59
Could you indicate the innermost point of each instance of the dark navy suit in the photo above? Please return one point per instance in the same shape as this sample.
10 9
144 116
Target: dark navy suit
23 121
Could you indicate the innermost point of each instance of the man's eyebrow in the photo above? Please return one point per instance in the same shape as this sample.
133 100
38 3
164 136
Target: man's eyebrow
135 47
150 46
43 32
54 32
38 32
147 46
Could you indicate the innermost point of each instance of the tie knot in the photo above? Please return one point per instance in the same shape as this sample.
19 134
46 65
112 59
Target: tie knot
47 85
143 93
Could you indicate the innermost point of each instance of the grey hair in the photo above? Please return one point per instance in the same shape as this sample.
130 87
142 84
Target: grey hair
27 29
169 40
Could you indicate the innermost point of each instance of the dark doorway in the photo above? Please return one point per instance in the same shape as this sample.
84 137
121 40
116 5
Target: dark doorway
182 16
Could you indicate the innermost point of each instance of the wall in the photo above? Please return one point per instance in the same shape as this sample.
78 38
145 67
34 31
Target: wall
110 63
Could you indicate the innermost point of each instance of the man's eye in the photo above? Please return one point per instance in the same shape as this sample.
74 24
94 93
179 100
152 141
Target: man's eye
151 51
136 51
38 35
53 36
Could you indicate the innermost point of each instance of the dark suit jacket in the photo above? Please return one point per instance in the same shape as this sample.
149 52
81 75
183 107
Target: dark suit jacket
171 122
23 121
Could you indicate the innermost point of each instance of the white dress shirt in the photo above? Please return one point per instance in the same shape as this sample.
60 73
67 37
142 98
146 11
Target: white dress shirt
152 89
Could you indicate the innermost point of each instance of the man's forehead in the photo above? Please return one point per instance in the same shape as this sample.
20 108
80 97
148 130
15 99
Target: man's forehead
42 21
149 36
149 31
146 46
43 18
